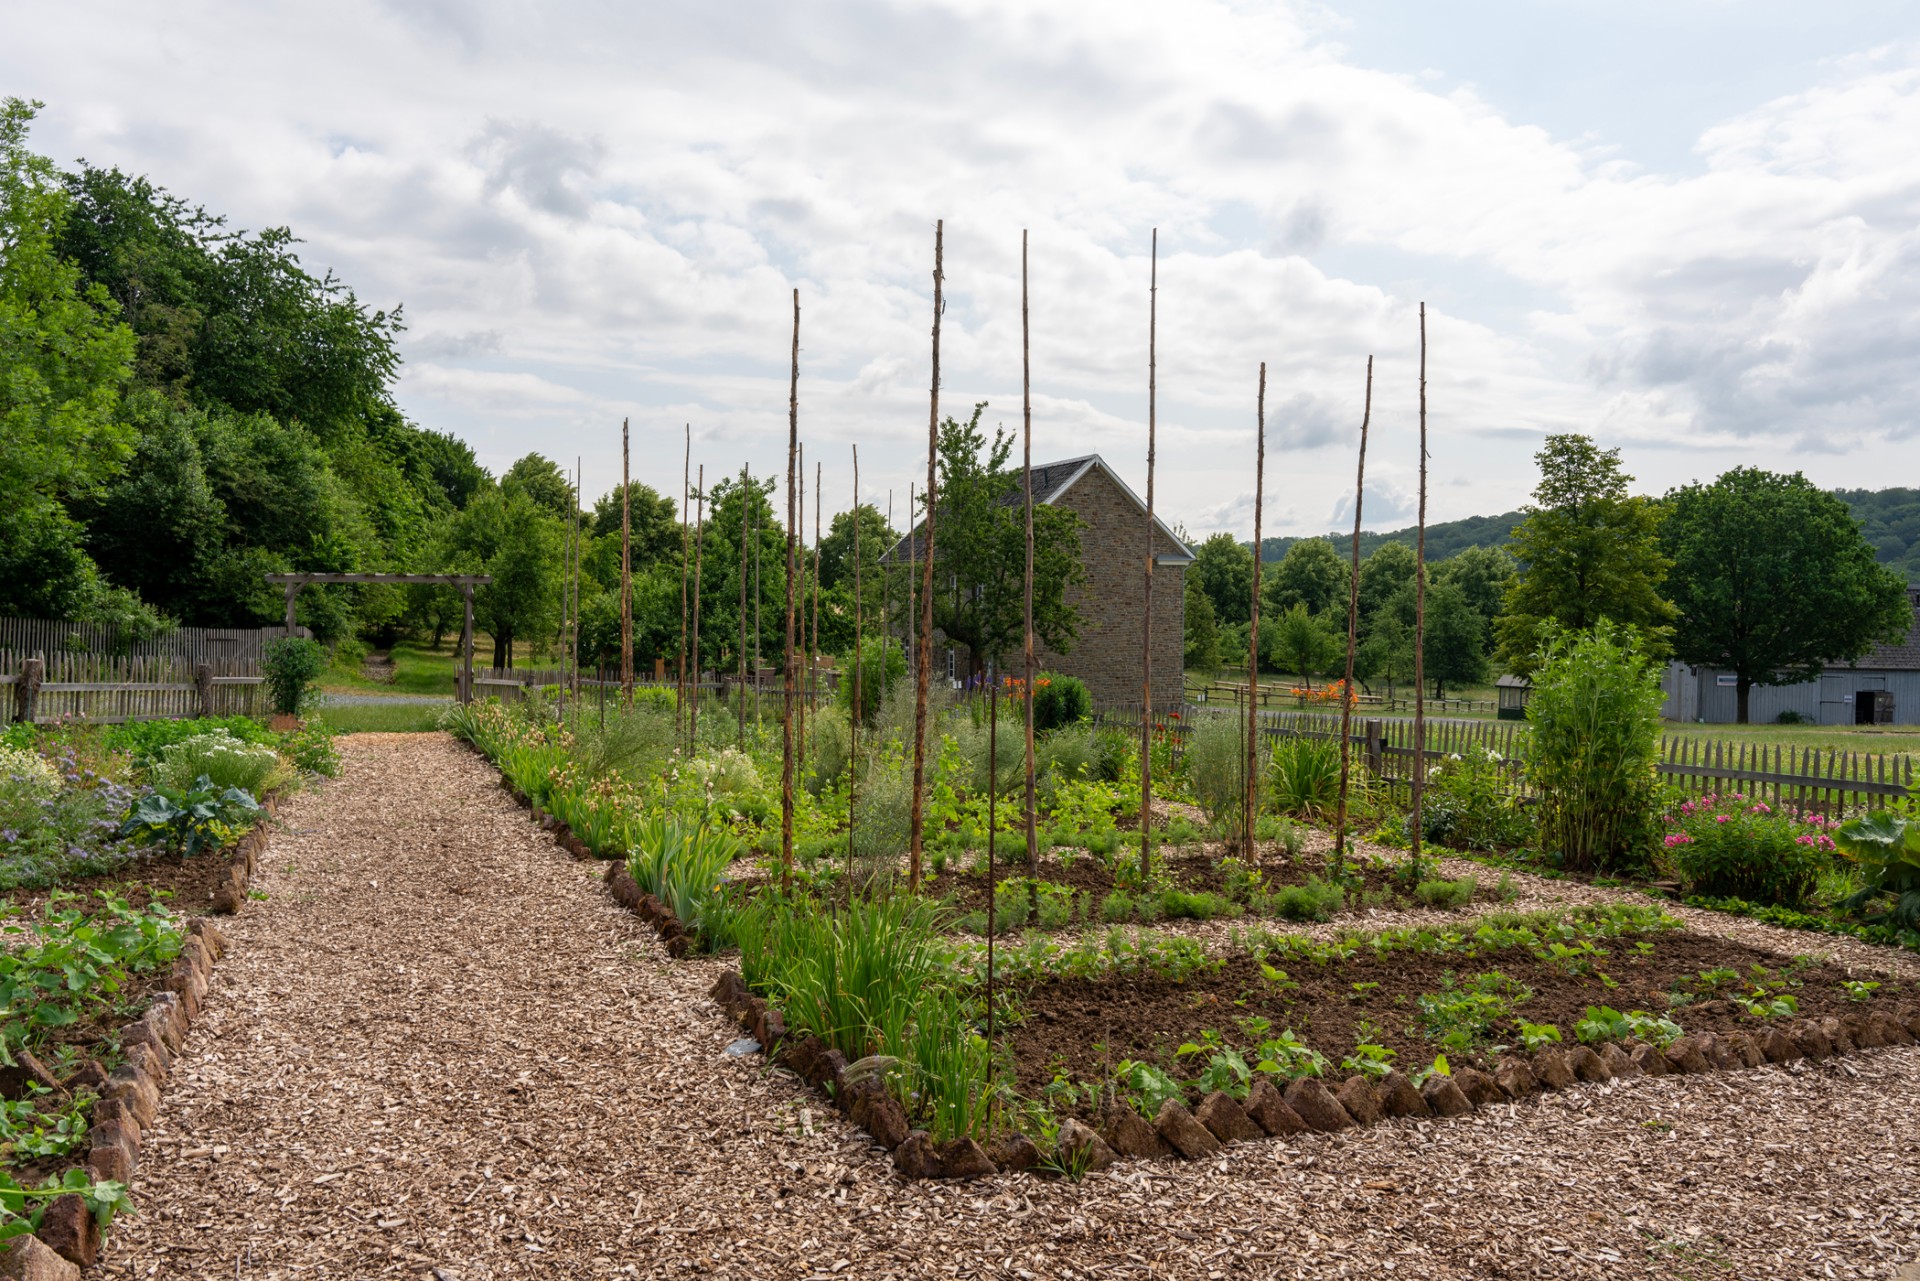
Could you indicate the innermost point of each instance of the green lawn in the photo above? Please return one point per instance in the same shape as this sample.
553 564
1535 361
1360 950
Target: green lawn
384 718
421 669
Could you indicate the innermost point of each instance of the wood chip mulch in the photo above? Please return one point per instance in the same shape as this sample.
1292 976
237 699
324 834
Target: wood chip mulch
437 1050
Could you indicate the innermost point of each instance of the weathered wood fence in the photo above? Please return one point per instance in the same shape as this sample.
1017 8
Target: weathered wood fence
1805 777
104 688
29 636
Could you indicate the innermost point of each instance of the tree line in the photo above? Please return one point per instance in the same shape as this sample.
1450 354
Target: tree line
1758 573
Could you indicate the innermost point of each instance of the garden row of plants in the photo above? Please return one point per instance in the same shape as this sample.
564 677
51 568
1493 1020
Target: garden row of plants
108 839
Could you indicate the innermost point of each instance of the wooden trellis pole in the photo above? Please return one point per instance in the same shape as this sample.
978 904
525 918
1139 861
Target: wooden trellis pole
786 721
1026 456
859 695
1416 837
1146 609
1353 635
1249 766
923 669
686 479
813 648
740 688
699 545
626 569
800 709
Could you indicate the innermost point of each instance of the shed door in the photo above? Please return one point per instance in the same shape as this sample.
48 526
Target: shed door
1836 700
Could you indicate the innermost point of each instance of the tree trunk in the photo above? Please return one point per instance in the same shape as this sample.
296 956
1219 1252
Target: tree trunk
501 655
1742 693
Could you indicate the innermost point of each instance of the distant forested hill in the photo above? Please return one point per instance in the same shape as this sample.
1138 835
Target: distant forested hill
1891 518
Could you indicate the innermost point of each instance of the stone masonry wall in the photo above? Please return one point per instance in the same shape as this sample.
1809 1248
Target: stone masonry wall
1106 654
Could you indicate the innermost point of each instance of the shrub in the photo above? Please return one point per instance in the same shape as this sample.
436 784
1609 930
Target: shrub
27 775
142 740
1217 763
827 754
1469 803
1065 755
1446 893
1116 755
310 748
1730 847
223 760
1595 716
1316 900
1059 701
1303 776
883 668
632 740
291 664
1885 848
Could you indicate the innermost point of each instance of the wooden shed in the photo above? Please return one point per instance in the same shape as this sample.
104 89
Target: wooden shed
1512 692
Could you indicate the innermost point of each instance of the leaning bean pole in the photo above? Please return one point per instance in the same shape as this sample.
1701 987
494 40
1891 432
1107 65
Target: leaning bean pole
686 479
786 721
859 700
626 572
1249 766
699 545
1416 837
1353 636
740 686
923 668
1146 607
1026 446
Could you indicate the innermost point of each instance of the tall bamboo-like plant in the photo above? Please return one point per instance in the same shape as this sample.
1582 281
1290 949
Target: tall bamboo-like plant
1595 713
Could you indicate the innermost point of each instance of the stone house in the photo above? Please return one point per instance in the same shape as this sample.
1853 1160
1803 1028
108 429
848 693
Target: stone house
1106 653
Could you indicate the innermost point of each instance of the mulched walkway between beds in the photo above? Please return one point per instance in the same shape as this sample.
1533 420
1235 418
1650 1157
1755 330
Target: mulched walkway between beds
438 1050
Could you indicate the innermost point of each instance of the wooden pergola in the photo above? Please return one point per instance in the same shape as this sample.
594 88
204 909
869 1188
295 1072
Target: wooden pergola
465 582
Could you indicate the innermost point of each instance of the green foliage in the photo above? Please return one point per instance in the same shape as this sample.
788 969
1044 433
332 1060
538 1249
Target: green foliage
684 867
1471 802
980 541
1202 641
188 819
223 761
1216 765
1146 1087
1731 847
58 969
882 667
1370 1060
103 1200
1535 1036
1455 639
1303 776
1059 701
1588 553
291 664
1289 1058
1461 1016
1302 643
143 740
1604 1023
1446 893
1774 580
1311 577
1223 569
1313 900
1595 717
1890 519
1885 847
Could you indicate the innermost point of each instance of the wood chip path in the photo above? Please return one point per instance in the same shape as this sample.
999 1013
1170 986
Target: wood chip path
436 1050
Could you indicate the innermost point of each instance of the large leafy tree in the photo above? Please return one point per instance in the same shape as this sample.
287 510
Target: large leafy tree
980 549
1203 633
1774 580
1302 643
1311 574
1587 551
1223 569
1455 642
520 544
1483 575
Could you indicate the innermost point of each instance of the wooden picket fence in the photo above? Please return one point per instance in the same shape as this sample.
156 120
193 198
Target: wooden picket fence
29 636
104 689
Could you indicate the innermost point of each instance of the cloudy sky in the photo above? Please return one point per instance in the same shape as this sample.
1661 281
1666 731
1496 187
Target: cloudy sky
1690 228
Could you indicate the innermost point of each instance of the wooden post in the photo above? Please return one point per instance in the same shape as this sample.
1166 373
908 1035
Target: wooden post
686 478
203 684
1353 634
1376 752
813 646
1026 470
786 721
1250 763
1146 608
26 695
740 689
1415 832
800 707
923 668
859 703
466 642
626 570
293 590
699 545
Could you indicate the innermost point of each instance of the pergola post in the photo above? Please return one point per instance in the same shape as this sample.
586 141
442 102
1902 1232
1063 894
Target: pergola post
466 643
293 590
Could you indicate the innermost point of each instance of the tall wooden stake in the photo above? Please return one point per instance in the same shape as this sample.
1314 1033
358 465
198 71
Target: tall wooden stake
1250 765
993 840
686 484
740 686
859 694
1415 837
573 643
699 546
800 708
1026 458
758 660
923 668
1146 610
626 570
786 725
813 647
911 624
1353 636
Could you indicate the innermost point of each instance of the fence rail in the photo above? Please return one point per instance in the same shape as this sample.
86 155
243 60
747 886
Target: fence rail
1829 780
106 689
28 636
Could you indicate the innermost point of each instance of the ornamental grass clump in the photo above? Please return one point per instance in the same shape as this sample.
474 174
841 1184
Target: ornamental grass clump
1216 766
1595 720
684 867
223 760
1733 847
1303 776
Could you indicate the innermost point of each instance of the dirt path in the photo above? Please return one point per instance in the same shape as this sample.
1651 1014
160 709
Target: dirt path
437 1050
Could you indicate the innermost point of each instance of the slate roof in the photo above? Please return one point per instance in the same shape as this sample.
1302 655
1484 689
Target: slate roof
1050 480
1903 656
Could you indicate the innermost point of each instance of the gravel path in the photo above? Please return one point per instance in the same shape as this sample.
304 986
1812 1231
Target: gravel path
436 1050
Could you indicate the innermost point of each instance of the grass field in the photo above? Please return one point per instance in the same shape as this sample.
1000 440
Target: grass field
385 718
420 669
